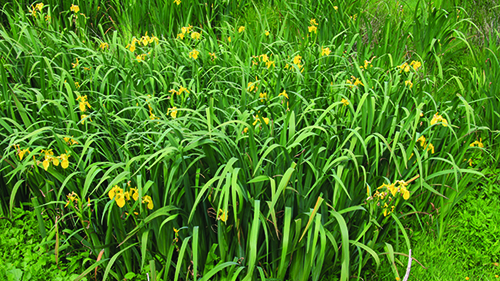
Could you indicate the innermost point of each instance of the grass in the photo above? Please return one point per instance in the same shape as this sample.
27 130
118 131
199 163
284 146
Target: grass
469 247
24 255
242 140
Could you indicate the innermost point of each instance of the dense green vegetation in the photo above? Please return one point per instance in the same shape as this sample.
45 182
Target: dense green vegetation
24 255
239 140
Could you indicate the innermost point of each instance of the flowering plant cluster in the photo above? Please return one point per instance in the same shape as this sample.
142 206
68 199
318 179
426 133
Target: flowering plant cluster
48 156
387 196
121 197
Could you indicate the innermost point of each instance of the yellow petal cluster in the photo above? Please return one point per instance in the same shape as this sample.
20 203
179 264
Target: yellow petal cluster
147 200
429 146
194 54
83 117
74 8
421 139
141 57
38 7
21 152
438 118
325 51
477 143
185 30
354 82
104 45
221 215
173 112
180 91
74 65
49 158
257 119
145 40
83 103
283 94
252 86
196 35
406 67
386 195
72 197
121 197
297 60
263 97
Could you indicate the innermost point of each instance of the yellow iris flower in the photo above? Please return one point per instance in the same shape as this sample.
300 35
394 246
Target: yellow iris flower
266 120
297 59
74 8
283 94
421 139
64 160
117 193
135 193
75 64
172 111
71 198
83 117
194 54
83 103
477 143
263 97
222 215
104 45
438 118
325 51
22 152
147 199
196 35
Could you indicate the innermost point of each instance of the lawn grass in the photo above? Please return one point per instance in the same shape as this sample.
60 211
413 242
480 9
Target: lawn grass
469 247
24 256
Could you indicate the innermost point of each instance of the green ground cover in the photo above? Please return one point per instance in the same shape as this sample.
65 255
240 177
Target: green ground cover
240 140
23 255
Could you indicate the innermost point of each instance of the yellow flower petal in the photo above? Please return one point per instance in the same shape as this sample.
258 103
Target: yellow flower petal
22 152
46 164
135 194
113 191
406 194
120 200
